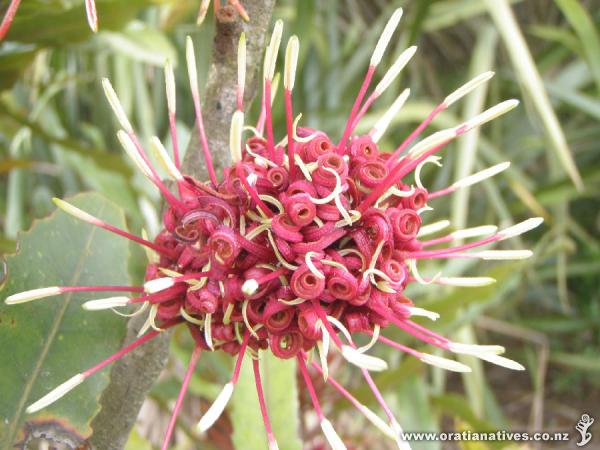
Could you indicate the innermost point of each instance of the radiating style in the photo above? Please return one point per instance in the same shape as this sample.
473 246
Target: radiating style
301 244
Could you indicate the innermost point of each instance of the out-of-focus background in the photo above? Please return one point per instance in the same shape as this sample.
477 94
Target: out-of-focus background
57 139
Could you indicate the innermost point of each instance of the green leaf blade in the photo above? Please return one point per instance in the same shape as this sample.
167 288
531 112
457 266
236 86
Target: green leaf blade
52 339
585 28
281 396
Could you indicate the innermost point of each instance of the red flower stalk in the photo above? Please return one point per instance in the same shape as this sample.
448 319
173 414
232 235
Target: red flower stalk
301 244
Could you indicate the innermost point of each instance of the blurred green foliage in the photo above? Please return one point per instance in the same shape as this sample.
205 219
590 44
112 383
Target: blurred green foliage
57 138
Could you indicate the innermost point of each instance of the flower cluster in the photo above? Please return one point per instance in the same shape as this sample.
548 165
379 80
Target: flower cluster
303 243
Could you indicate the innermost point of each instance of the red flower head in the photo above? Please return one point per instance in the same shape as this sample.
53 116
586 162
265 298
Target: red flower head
302 243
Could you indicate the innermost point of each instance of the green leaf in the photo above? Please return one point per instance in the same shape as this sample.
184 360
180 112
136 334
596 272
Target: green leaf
279 376
588 363
13 61
59 22
53 339
532 84
281 394
417 414
557 34
142 44
137 442
451 13
457 407
113 185
585 28
101 156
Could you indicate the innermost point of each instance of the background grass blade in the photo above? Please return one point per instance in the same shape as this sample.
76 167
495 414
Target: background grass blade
585 28
532 84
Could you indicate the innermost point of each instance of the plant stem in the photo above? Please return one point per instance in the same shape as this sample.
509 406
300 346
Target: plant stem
221 89
134 375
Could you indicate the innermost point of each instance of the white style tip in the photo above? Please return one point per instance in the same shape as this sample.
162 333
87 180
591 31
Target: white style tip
502 255
291 63
444 363
480 176
467 88
332 437
466 281
133 153
431 142
250 287
433 228
520 228
170 87
158 285
116 105
208 331
484 230
384 121
161 152
252 179
421 312
377 421
396 68
216 409
385 37
241 62
272 51
55 394
475 350
76 212
202 12
190 58
363 361
235 136
105 303
501 361
34 294
91 14
489 114
398 433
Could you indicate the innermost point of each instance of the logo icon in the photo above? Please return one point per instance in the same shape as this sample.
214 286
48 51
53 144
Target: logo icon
582 426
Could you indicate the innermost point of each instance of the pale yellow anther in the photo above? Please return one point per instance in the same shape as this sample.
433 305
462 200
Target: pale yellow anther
385 37
467 87
163 156
235 136
291 63
241 62
170 87
395 69
116 105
